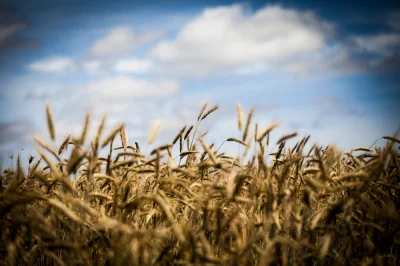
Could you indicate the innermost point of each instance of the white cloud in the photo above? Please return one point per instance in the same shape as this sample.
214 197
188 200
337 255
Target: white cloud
381 44
123 87
54 64
229 38
253 69
92 66
120 41
335 60
133 65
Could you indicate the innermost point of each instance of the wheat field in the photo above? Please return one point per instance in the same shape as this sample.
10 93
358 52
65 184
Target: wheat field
289 206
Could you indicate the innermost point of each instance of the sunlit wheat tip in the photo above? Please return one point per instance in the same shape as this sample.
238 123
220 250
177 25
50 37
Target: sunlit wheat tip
363 149
286 137
137 147
50 123
201 111
246 130
237 140
209 151
202 135
47 147
266 131
154 132
124 140
210 111
85 129
161 148
188 132
112 135
183 154
239 116
255 132
48 161
64 145
179 135
100 129
392 139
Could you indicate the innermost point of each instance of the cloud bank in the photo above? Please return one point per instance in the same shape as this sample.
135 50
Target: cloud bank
58 64
229 37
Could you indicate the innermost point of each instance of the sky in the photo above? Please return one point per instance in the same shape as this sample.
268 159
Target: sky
329 69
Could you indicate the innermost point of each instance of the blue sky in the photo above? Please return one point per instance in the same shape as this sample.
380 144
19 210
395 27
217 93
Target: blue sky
325 68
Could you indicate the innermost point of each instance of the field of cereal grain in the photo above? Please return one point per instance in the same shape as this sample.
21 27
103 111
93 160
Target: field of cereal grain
317 206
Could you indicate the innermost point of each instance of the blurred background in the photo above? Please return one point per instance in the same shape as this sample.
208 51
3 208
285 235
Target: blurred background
325 68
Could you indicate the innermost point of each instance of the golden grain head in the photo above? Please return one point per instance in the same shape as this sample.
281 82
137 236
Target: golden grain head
239 116
201 111
248 121
124 139
112 135
154 131
85 129
286 137
179 135
50 123
213 109
188 132
266 131
237 141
